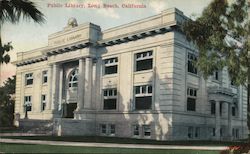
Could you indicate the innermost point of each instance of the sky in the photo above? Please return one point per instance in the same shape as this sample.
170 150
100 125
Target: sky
27 35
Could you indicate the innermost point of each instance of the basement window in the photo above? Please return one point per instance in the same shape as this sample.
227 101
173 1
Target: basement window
144 61
146 130
143 97
109 99
136 131
110 66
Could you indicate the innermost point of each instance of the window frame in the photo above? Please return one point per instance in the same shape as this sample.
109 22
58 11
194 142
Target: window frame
44 75
29 76
142 57
145 131
191 57
27 103
192 94
43 102
108 96
110 62
147 93
71 82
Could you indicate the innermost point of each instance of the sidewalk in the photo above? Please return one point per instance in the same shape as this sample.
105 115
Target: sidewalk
108 145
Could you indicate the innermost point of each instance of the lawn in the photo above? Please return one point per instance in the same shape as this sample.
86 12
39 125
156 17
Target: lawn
100 139
29 148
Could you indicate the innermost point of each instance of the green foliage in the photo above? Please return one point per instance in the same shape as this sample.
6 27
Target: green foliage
7 102
4 56
220 35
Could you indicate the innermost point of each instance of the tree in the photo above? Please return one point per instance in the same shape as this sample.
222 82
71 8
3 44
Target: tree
12 11
221 35
7 102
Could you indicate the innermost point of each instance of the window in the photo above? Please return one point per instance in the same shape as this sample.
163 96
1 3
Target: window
27 103
103 128
45 76
213 108
73 78
233 83
213 132
144 61
136 131
192 58
110 66
216 75
43 102
112 129
143 97
197 132
190 132
235 133
110 97
29 79
146 130
107 129
233 111
191 99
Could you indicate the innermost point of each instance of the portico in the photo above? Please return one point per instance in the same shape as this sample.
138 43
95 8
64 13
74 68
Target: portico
223 100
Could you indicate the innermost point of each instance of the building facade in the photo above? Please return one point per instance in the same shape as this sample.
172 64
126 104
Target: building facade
135 80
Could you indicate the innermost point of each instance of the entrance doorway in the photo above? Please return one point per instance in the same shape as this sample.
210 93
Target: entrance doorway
69 109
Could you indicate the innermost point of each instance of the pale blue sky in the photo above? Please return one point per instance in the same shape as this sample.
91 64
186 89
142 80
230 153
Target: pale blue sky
26 36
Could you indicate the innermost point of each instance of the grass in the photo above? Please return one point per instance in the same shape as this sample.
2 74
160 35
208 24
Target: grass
100 139
29 148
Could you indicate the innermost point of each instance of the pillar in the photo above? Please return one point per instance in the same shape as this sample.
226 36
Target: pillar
60 88
230 121
80 88
217 120
49 101
55 87
88 83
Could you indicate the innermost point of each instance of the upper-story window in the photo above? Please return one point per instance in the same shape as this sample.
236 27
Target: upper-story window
27 103
191 66
45 76
110 99
29 79
110 66
143 97
191 99
73 78
216 75
144 61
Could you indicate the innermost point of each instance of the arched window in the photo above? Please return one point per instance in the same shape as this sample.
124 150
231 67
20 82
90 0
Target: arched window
73 78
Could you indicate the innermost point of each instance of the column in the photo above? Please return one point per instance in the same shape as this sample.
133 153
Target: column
217 120
80 90
49 101
230 121
55 86
88 83
60 89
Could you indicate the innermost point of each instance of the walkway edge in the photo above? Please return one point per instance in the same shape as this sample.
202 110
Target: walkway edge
112 145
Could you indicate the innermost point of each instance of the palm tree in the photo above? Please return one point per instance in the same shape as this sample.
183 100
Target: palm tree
12 11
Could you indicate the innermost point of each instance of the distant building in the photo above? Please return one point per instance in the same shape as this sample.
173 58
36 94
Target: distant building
136 80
